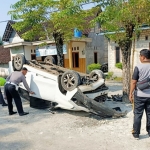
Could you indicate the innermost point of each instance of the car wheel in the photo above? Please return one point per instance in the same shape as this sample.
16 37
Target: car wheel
70 80
18 62
96 75
49 60
105 68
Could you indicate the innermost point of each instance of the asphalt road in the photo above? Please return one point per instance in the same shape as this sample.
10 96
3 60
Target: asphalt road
67 130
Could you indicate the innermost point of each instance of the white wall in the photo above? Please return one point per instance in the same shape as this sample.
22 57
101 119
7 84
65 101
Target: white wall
14 38
112 59
25 50
16 50
140 44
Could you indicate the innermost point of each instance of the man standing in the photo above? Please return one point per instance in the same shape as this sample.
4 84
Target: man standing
11 91
141 97
2 99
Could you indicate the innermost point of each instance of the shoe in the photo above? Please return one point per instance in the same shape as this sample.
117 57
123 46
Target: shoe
24 113
136 136
12 113
5 104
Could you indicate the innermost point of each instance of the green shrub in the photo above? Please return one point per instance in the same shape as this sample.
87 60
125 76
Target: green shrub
119 65
109 75
2 81
93 67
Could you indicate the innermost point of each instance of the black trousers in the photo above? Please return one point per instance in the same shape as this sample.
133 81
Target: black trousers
11 93
1 98
141 104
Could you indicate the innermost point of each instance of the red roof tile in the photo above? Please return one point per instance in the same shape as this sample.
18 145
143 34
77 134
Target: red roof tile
4 55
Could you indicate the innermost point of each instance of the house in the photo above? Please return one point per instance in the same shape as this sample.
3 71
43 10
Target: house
79 53
114 52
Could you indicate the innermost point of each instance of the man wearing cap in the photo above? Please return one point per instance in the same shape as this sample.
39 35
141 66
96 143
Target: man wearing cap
11 91
141 97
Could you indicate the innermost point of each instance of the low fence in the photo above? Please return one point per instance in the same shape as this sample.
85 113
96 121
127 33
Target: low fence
4 72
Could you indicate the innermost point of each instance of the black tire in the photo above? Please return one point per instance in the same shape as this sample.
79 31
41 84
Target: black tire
49 60
70 80
18 62
104 68
24 94
96 75
79 78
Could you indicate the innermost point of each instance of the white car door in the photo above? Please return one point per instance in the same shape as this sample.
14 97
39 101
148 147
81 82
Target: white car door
44 88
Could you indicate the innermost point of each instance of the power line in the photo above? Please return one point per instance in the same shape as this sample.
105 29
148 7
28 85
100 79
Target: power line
4 21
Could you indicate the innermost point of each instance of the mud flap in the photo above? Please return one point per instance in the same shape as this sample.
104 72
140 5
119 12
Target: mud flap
97 108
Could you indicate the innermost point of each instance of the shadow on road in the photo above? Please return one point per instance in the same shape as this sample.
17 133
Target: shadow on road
14 145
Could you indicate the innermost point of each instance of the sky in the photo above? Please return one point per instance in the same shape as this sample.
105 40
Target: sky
5 7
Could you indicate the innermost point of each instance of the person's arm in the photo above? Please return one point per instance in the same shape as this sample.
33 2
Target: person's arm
132 88
134 80
25 84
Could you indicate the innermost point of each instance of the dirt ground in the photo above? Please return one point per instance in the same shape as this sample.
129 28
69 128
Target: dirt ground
67 130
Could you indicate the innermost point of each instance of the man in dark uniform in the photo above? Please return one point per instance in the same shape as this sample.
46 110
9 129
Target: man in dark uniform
11 91
141 97
2 99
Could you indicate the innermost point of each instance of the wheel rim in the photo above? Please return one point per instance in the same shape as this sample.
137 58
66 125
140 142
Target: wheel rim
69 80
18 61
95 77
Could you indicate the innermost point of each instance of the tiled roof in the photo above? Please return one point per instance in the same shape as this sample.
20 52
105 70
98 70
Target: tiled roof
4 55
8 31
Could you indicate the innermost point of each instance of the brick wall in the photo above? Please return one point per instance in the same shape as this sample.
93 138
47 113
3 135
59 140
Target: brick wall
4 55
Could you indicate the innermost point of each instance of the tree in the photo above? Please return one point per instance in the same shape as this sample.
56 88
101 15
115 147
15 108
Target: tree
125 19
44 19
1 42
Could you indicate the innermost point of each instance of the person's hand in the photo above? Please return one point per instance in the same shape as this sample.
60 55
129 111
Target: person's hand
131 98
32 92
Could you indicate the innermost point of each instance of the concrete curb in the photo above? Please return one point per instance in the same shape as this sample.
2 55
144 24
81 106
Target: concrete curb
110 81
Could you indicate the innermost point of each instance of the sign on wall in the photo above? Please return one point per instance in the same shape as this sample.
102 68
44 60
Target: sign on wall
49 50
